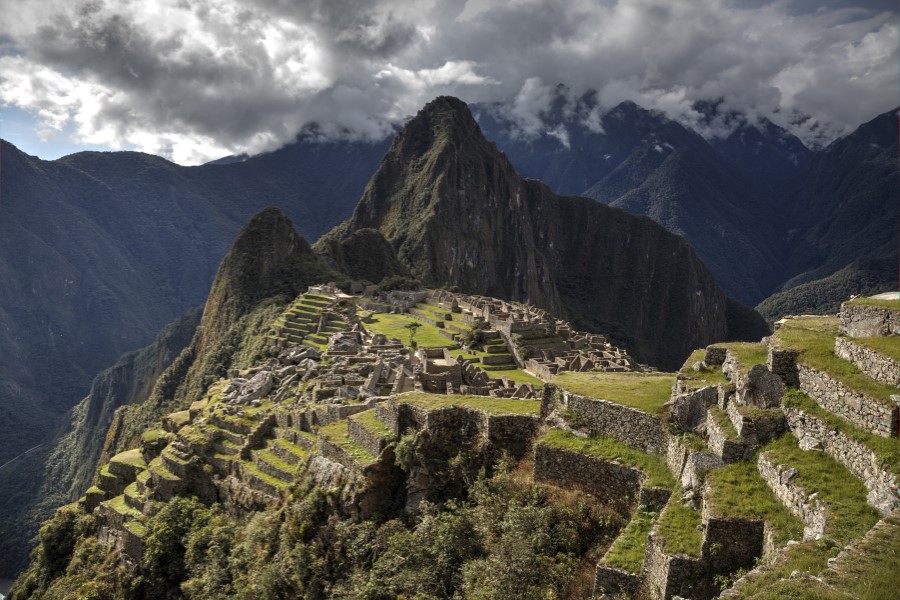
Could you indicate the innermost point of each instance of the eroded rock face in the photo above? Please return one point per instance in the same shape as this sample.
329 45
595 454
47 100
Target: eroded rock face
258 386
764 390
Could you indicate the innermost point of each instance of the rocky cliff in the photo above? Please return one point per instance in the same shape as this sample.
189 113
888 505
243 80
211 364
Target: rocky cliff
458 214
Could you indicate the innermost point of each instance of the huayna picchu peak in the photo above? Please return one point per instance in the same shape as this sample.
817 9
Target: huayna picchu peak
458 214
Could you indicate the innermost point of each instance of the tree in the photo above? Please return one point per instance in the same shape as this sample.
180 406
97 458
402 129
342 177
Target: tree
413 327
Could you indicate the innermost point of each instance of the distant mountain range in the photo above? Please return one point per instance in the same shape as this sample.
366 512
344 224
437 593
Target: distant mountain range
99 250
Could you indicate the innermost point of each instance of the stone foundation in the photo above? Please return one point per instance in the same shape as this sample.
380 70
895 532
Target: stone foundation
858 320
625 425
879 367
805 506
876 416
610 582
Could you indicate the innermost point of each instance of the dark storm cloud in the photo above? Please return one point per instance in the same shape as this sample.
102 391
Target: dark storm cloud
195 80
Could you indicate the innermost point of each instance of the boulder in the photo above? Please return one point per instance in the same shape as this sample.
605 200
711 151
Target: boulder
764 389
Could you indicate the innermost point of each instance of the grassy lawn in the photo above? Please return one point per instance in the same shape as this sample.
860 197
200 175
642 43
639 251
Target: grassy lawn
517 375
844 496
886 449
679 527
887 345
336 433
748 353
627 552
644 391
130 457
814 338
494 406
254 470
738 491
394 326
894 304
808 557
654 465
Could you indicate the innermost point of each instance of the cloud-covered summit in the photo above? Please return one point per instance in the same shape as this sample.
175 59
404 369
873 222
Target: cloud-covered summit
197 80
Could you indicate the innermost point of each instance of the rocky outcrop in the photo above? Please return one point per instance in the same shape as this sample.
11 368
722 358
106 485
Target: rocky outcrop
862 320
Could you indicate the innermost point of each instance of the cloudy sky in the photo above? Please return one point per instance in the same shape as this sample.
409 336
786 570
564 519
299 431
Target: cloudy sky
194 80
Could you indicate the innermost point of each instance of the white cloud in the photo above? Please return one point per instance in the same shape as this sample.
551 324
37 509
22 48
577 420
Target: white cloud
195 80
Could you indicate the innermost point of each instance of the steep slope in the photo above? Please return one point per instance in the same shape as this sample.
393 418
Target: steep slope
98 251
458 214
848 208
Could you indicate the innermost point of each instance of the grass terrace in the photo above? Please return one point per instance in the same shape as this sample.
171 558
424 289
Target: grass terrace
654 465
886 449
814 338
336 433
517 375
252 469
131 458
738 491
849 517
871 570
494 406
893 304
627 552
724 423
368 420
394 326
748 353
644 391
698 379
807 557
679 526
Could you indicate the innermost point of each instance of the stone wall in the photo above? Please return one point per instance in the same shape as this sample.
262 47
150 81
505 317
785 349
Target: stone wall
610 481
783 364
625 425
730 544
666 576
754 426
688 409
877 366
719 441
610 582
805 506
368 439
512 433
858 320
857 457
876 416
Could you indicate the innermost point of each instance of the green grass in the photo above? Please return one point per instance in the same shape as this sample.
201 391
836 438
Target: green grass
118 505
886 449
494 406
627 552
517 375
254 470
644 391
368 420
814 338
724 423
738 491
871 570
697 379
844 496
137 528
160 469
748 353
892 304
654 465
294 449
336 433
394 326
679 526
808 557
154 435
276 461
131 458
888 345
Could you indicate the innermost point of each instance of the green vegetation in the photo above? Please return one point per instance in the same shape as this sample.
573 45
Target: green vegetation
814 338
738 491
627 552
749 354
653 465
844 496
807 557
871 570
644 391
517 375
336 433
132 458
370 421
396 326
494 406
252 469
886 449
679 526
864 301
692 379
888 345
724 422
